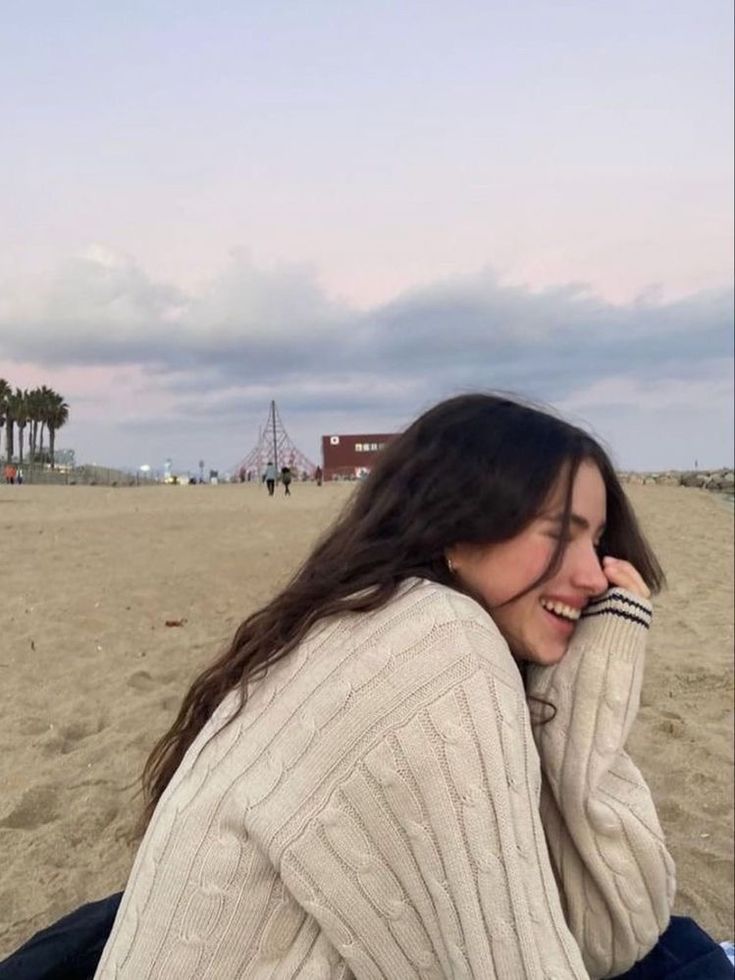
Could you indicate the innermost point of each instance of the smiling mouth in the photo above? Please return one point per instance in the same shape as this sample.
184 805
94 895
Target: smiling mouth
559 609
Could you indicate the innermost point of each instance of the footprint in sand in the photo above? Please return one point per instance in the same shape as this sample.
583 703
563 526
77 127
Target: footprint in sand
38 805
69 736
141 680
171 702
33 726
671 724
702 679
93 823
669 812
77 730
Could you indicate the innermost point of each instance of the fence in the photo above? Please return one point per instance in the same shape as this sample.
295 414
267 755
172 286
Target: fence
83 476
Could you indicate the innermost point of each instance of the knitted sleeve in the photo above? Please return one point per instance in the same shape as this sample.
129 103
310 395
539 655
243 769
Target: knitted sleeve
429 859
616 877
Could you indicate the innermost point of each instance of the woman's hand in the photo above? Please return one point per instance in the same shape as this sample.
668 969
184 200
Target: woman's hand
625 576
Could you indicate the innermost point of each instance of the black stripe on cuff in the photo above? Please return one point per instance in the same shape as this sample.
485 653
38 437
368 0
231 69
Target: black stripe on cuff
618 612
618 597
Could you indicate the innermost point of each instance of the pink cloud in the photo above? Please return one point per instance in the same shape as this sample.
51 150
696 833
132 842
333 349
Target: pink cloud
117 391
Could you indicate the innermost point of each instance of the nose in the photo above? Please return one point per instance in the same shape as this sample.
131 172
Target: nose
587 574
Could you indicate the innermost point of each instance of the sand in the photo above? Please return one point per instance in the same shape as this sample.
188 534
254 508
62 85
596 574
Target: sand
90 675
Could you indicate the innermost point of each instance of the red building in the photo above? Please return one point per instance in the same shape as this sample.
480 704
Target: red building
350 457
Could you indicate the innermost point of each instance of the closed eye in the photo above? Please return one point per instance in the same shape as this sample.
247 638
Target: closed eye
566 538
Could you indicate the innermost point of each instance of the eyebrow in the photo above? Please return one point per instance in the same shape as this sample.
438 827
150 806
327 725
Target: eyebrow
576 519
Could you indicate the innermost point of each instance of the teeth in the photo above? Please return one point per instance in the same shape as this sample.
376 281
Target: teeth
561 609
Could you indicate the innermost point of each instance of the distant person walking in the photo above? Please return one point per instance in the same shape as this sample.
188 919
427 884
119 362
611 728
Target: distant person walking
318 476
9 473
270 477
286 480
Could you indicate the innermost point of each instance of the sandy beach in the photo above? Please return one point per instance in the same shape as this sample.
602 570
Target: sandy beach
91 675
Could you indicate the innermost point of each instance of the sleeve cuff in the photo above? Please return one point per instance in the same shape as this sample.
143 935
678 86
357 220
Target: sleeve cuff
617 620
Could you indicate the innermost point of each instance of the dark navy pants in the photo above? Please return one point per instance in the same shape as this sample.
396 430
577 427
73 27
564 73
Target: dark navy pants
70 949
684 952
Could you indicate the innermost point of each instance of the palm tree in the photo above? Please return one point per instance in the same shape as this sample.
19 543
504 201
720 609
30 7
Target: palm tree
40 407
40 403
57 416
14 411
5 392
22 418
33 402
48 399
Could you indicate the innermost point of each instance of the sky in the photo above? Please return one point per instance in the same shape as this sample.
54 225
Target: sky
359 209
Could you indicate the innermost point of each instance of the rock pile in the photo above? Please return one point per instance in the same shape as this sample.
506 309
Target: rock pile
721 481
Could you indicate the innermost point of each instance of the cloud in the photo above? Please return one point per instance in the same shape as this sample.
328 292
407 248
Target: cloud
217 356
714 386
101 308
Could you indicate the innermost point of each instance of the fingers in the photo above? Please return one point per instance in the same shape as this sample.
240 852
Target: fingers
625 576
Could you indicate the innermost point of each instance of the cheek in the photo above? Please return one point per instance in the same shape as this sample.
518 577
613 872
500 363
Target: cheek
508 570
528 565
520 614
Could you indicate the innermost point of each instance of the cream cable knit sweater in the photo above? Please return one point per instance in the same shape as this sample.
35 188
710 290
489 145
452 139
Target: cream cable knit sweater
379 810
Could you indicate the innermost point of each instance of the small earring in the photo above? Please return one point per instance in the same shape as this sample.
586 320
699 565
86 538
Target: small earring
451 566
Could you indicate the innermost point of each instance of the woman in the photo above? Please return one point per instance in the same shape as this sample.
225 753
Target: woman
362 786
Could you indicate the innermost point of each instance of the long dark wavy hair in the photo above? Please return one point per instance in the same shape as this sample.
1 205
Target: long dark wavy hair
477 468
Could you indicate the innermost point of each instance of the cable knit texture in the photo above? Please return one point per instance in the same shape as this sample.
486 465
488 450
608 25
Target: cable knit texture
378 810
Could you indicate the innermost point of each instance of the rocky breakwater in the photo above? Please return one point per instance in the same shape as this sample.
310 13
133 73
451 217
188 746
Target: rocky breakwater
720 481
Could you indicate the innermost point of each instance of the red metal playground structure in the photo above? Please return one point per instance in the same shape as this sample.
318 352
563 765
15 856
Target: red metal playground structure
274 446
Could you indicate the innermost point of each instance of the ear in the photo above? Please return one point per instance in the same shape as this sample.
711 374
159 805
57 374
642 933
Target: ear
453 556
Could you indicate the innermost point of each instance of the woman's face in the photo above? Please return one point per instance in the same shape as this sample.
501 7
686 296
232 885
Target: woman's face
539 625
